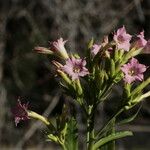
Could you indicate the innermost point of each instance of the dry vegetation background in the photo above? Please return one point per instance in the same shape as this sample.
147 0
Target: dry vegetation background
28 23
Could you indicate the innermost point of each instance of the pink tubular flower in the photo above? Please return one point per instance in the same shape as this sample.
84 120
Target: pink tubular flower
43 50
95 49
59 47
147 48
140 42
122 39
75 68
20 112
133 71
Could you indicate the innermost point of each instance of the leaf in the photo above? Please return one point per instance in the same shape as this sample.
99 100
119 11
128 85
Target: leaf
90 44
110 145
71 142
130 54
129 119
141 86
111 137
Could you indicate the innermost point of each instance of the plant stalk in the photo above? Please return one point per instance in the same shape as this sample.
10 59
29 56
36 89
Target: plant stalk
90 128
106 125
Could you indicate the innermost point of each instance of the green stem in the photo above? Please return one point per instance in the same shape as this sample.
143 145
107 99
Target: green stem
104 93
63 146
112 144
90 127
106 125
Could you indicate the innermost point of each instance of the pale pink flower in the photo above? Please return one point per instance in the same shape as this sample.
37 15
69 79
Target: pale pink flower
147 48
122 39
133 71
59 47
95 49
20 112
75 68
140 42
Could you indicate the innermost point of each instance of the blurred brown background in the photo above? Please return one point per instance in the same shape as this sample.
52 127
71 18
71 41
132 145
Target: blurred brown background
25 24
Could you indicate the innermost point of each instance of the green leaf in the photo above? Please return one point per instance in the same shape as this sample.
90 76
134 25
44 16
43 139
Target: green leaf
111 137
71 142
132 53
90 44
141 86
131 118
110 145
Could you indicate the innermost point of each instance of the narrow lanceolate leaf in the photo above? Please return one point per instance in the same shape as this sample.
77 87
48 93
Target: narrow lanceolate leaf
111 137
129 119
131 54
110 145
71 142
141 86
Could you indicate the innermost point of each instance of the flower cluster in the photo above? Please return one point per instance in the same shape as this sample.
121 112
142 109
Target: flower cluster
75 67
105 65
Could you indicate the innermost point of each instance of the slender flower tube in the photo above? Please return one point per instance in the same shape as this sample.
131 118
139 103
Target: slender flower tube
42 50
38 116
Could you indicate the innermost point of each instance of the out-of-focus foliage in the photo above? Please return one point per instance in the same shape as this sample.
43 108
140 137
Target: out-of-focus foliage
25 23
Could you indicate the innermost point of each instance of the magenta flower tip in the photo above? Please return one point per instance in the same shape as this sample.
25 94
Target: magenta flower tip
75 68
133 71
20 112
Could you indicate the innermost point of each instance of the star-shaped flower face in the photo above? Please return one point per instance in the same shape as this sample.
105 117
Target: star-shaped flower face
133 71
75 68
20 112
122 39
